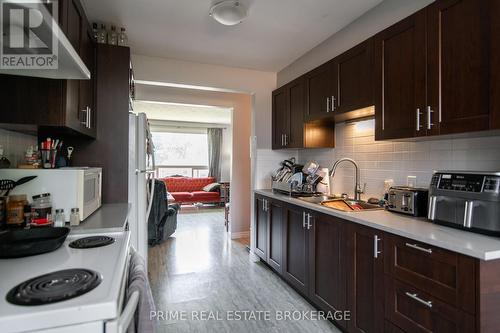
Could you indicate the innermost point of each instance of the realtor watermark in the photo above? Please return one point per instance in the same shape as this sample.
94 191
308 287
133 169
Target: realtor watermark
249 315
28 38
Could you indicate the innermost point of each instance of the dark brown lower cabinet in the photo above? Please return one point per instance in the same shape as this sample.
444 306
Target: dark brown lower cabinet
416 311
365 278
295 248
387 283
275 235
326 264
261 227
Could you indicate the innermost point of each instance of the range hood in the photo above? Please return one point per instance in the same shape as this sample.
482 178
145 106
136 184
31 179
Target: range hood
69 63
354 115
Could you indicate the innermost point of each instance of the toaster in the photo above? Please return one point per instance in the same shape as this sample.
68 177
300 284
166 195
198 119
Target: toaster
408 200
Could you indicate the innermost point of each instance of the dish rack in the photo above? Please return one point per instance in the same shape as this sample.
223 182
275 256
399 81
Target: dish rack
289 189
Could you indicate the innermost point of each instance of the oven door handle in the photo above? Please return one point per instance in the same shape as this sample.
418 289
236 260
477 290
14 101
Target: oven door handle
121 324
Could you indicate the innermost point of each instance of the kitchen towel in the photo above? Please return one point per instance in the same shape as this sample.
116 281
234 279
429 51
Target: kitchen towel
138 281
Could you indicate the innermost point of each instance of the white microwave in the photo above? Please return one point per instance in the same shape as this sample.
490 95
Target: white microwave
68 187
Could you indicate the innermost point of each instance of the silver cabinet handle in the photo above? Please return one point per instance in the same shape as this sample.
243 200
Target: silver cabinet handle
264 205
88 117
333 103
85 113
303 220
282 140
286 139
418 299
469 207
376 252
309 224
328 104
418 119
431 215
429 118
416 247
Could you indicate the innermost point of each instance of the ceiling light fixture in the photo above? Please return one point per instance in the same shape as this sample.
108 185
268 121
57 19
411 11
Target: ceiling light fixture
229 12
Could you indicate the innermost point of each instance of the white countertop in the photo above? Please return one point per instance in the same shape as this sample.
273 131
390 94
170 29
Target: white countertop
419 229
108 218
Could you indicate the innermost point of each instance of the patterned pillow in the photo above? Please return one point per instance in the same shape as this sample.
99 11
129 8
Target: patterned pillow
213 187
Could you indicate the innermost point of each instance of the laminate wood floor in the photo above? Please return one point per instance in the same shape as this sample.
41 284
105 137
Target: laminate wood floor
200 280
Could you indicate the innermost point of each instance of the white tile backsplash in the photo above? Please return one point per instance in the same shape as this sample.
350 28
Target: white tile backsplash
15 144
396 160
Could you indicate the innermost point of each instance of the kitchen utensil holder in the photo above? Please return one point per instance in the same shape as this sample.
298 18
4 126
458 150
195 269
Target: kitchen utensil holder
49 158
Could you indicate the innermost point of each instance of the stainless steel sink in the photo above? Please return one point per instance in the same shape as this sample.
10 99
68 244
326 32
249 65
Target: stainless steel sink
317 199
347 205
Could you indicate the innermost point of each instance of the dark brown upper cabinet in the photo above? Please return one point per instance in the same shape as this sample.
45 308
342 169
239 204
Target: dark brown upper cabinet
321 92
280 117
400 78
289 130
457 66
494 14
432 72
354 70
63 104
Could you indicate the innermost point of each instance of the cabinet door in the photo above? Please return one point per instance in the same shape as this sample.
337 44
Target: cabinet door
261 227
365 273
417 311
74 21
297 102
326 265
295 249
321 92
280 124
494 11
275 235
457 55
355 75
86 93
400 78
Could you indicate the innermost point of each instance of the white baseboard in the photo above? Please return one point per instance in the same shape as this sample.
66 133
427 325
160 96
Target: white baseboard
241 234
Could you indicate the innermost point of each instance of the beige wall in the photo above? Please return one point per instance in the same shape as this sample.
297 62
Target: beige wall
241 132
257 83
373 21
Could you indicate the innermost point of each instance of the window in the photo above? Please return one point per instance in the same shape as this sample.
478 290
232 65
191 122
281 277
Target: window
184 154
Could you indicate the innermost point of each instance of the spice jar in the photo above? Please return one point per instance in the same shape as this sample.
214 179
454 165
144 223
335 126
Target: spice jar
15 209
74 218
42 209
59 219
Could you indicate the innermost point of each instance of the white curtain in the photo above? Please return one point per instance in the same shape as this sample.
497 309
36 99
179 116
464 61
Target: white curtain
214 151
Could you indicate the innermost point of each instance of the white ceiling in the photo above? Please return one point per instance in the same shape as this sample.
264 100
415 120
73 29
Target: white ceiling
276 33
174 112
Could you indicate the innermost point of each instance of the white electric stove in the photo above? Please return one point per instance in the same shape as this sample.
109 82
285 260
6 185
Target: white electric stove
91 310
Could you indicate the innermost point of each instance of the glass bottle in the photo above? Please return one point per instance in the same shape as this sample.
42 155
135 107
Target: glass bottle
101 35
122 37
112 36
59 219
95 31
74 218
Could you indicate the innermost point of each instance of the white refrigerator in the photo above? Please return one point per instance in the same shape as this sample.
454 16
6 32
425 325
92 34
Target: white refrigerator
140 181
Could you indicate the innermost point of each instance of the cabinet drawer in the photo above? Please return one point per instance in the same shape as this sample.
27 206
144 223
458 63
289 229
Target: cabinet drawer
444 274
416 311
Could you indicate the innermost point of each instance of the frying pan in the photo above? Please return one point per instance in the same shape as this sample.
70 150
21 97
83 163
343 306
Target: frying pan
28 242
7 184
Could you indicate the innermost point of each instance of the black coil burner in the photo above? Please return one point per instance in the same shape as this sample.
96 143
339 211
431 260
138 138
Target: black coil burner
54 287
92 241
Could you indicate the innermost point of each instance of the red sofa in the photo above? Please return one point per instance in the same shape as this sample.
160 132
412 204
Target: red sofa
190 190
